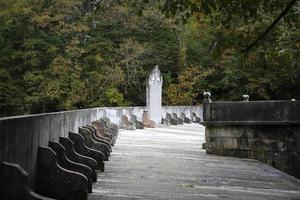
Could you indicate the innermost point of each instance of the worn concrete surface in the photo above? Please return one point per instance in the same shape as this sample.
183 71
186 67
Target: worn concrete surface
28 132
168 163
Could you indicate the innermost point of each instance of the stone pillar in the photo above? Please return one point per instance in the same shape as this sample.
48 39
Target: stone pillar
154 95
206 106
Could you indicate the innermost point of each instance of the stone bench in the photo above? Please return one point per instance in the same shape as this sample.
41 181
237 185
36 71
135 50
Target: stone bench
98 137
126 123
82 149
184 118
104 131
91 143
109 126
95 137
172 120
147 122
56 182
14 184
165 121
138 124
195 118
66 168
66 163
179 120
78 158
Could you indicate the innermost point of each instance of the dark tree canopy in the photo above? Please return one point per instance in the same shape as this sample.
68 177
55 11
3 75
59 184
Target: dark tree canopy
70 54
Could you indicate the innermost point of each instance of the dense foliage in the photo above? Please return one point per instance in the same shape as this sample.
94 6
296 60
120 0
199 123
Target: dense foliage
69 54
216 34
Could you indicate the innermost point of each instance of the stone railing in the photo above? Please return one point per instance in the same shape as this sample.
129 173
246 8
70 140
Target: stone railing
22 136
66 167
265 130
116 113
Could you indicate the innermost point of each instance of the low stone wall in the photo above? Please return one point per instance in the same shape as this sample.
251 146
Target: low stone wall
20 136
268 131
187 110
115 113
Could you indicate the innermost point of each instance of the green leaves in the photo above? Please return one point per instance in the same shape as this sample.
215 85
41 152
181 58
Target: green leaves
69 54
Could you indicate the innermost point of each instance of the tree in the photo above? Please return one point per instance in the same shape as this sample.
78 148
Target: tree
224 29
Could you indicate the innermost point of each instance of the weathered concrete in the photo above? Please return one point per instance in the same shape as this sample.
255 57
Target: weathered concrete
184 118
147 122
168 163
99 138
171 119
265 130
101 131
126 123
82 149
189 111
76 157
14 184
57 182
195 118
66 163
93 144
92 132
262 112
138 124
165 121
20 136
180 121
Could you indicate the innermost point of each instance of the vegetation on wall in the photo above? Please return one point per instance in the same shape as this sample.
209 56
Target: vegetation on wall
70 54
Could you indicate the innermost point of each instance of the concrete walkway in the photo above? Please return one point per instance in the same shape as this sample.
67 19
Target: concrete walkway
168 163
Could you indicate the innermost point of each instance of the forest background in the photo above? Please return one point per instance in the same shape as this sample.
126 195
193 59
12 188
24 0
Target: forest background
70 54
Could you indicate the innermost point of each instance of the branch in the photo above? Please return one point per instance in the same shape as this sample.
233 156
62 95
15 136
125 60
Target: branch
270 27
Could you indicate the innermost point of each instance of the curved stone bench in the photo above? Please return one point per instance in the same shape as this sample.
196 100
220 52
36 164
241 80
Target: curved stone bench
91 143
102 132
195 118
172 120
165 121
109 127
63 161
113 127
138 124
76 157
81 148
95 137
146 120
57 182
184 118
126 123
180 121
14 184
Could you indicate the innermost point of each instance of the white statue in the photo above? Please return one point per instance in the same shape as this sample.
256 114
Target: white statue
155 74
154 95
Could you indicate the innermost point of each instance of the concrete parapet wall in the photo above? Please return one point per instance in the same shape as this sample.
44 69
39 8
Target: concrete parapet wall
268 131
256 111
20 136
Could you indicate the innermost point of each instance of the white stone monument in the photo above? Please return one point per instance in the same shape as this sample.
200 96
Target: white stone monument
154 95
